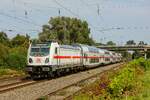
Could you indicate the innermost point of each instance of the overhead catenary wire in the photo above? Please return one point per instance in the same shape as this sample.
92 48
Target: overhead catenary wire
76 15
19 19
59 11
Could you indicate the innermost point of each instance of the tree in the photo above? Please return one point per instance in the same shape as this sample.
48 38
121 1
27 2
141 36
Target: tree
17 58
130 42
4 38
142 43
111 43
66 30
136 55
4 51
15 55
20 40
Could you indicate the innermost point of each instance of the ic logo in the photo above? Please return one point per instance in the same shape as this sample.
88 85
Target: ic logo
38 60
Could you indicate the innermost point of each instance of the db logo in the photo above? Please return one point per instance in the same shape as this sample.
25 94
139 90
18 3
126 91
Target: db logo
38 60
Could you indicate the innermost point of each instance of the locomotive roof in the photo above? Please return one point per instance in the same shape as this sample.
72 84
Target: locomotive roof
40 44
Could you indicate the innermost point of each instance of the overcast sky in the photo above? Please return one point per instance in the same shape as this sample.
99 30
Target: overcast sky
117 20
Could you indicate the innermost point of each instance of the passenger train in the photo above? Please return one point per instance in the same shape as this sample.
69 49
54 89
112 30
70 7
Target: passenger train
50 59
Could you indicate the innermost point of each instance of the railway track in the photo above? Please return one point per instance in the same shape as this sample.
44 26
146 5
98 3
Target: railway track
12 86
11 80
29 89
20 84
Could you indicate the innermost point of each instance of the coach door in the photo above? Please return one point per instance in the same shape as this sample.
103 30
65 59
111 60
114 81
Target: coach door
57 54
85 59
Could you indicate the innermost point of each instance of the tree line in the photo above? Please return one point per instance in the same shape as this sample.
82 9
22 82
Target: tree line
65 30
13 51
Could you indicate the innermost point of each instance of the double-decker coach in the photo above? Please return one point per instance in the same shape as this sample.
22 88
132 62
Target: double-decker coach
91 55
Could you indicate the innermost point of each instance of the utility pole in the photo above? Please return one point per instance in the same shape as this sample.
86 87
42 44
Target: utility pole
145 53
59 12
98 10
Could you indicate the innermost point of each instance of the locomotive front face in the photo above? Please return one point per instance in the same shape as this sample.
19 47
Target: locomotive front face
40 59
39 55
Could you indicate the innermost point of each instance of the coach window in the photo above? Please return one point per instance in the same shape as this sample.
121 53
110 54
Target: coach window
55 50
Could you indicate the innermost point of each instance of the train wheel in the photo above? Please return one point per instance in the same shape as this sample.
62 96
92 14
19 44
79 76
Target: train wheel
34 77
58 73
50 75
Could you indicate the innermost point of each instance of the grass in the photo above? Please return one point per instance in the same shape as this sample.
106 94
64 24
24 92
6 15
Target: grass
145 92
6 72
133 79
42 98
85 97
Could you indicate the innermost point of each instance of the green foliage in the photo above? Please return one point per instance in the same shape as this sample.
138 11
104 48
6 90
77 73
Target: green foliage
13 54
111 43
20 40
126 55
144 93
124 81
4 51
4 39
130 42
148 54
122 84
5 72
85 97
17 58
66 30
136 55
141 43
42 98
145 64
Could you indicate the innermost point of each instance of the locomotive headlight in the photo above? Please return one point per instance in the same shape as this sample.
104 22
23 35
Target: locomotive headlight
47 60
30 60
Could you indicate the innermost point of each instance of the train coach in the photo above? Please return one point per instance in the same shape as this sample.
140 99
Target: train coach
50 59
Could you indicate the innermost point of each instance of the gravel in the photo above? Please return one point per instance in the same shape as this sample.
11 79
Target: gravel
38 90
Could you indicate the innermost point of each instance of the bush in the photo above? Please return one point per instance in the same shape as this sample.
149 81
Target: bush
126 79
123 81
116 85
4 51
17 58
5 72
140 62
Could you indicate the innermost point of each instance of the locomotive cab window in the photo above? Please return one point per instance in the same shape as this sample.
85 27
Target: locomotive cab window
39 51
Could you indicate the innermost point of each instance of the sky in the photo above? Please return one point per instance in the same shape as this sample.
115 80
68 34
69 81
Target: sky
109 20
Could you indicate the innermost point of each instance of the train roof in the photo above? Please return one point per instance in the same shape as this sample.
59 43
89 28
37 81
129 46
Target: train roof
101 50
69 47
87 48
